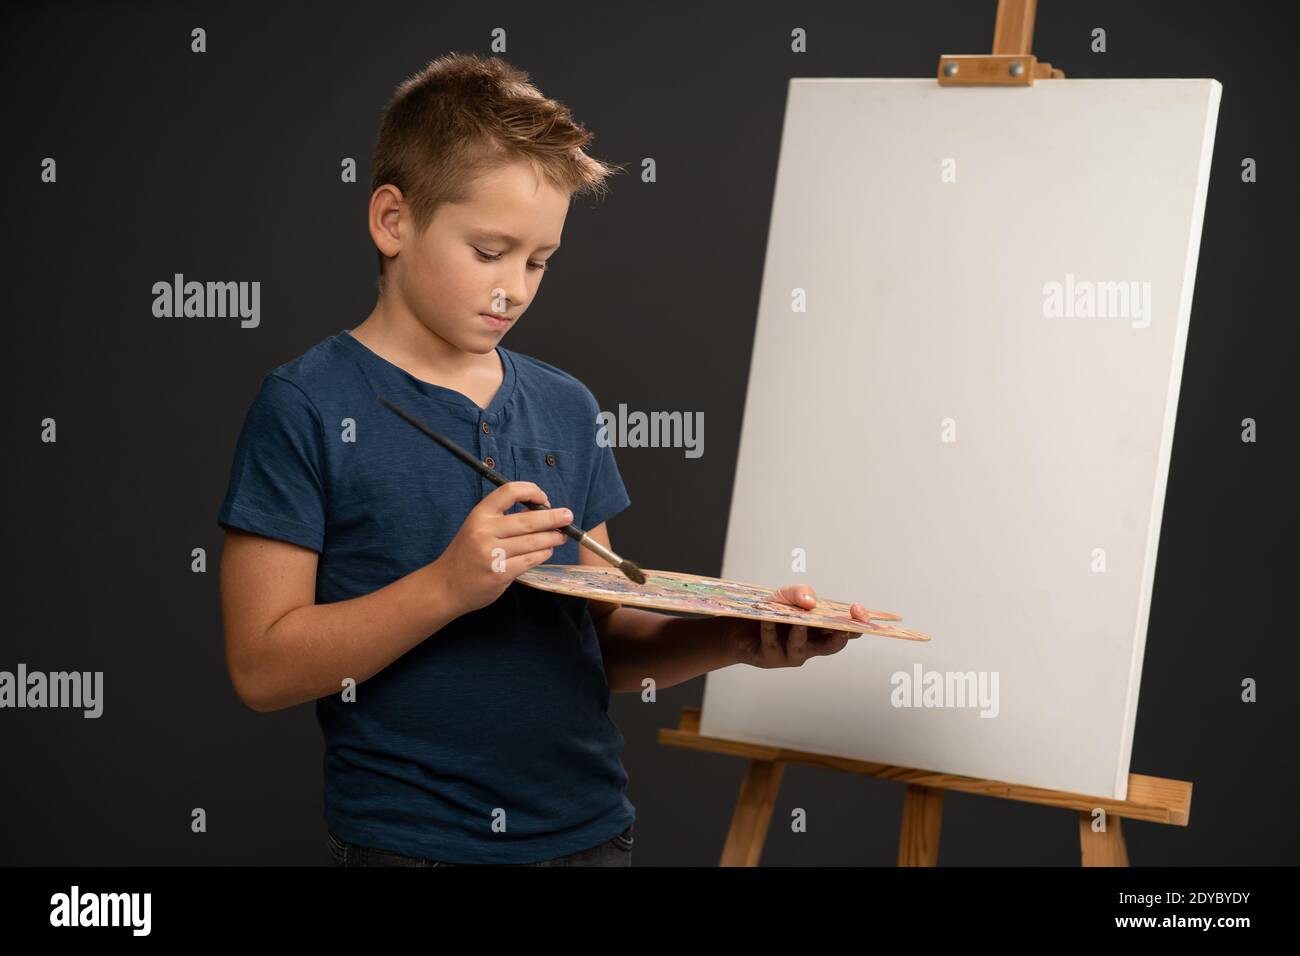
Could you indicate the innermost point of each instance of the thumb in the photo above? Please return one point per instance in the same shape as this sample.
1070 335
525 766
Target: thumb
800 595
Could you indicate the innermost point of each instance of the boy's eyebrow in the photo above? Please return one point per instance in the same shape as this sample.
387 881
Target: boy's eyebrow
485 234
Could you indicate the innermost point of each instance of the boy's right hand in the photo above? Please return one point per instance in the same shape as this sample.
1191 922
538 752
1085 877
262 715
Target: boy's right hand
493 548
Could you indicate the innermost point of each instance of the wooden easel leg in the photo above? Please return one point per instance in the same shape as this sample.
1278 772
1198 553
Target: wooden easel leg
1102 849
753 813
918 841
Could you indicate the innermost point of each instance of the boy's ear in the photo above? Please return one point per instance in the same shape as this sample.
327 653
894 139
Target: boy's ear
385 212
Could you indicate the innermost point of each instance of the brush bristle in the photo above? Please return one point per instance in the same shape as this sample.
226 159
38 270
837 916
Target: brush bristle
632 571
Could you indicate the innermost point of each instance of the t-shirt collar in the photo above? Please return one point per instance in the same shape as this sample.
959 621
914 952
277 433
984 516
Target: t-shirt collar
454 400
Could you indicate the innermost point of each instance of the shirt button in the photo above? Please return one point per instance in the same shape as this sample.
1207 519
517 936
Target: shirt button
550 459
486 430
489 462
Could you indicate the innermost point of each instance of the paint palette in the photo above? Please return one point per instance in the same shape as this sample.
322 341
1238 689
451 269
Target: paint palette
679 593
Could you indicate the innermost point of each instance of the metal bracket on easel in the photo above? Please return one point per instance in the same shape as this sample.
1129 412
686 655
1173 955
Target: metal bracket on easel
1010 63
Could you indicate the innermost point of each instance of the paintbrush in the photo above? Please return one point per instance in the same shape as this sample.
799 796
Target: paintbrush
574 532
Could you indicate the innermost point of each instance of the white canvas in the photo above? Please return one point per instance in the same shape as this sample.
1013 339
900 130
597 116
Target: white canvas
925 301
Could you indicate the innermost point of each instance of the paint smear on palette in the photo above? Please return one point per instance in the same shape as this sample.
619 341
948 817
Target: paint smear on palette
680 593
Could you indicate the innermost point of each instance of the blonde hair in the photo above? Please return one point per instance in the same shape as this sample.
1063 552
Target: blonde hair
463 116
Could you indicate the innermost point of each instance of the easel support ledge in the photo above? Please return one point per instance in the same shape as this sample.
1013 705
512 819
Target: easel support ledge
1152 799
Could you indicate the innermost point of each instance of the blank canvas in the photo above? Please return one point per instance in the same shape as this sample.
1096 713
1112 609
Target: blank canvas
934 428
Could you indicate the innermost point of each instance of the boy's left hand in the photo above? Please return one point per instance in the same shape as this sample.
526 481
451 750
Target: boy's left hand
767 644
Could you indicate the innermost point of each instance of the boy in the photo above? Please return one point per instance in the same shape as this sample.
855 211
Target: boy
465 716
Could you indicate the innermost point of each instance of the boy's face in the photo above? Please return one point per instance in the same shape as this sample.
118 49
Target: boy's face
464 266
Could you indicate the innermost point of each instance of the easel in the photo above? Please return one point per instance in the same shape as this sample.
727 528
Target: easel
1154 799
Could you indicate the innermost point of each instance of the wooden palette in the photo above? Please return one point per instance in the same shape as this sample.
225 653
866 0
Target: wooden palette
680 593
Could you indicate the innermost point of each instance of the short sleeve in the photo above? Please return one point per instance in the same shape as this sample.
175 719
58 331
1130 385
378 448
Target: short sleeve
606 495
277 486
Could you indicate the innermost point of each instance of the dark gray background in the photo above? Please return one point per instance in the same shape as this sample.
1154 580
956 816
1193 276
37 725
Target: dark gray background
225 166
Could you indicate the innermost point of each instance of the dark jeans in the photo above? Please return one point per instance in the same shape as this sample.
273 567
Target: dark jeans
616 851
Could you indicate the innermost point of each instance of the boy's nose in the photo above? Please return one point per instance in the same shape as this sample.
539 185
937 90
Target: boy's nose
510 300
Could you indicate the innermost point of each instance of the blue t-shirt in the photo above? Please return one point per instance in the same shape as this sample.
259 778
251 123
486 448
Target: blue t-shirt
503 713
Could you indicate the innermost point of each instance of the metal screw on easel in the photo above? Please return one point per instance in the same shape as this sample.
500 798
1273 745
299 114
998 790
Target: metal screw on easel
1017 69
950 69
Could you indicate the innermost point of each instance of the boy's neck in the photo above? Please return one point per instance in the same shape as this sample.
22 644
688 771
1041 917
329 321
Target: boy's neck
398 336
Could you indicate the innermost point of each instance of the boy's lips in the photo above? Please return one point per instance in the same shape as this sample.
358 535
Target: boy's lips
495 321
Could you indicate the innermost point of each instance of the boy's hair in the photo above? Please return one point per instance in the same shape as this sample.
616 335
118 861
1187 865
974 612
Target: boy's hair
462 116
